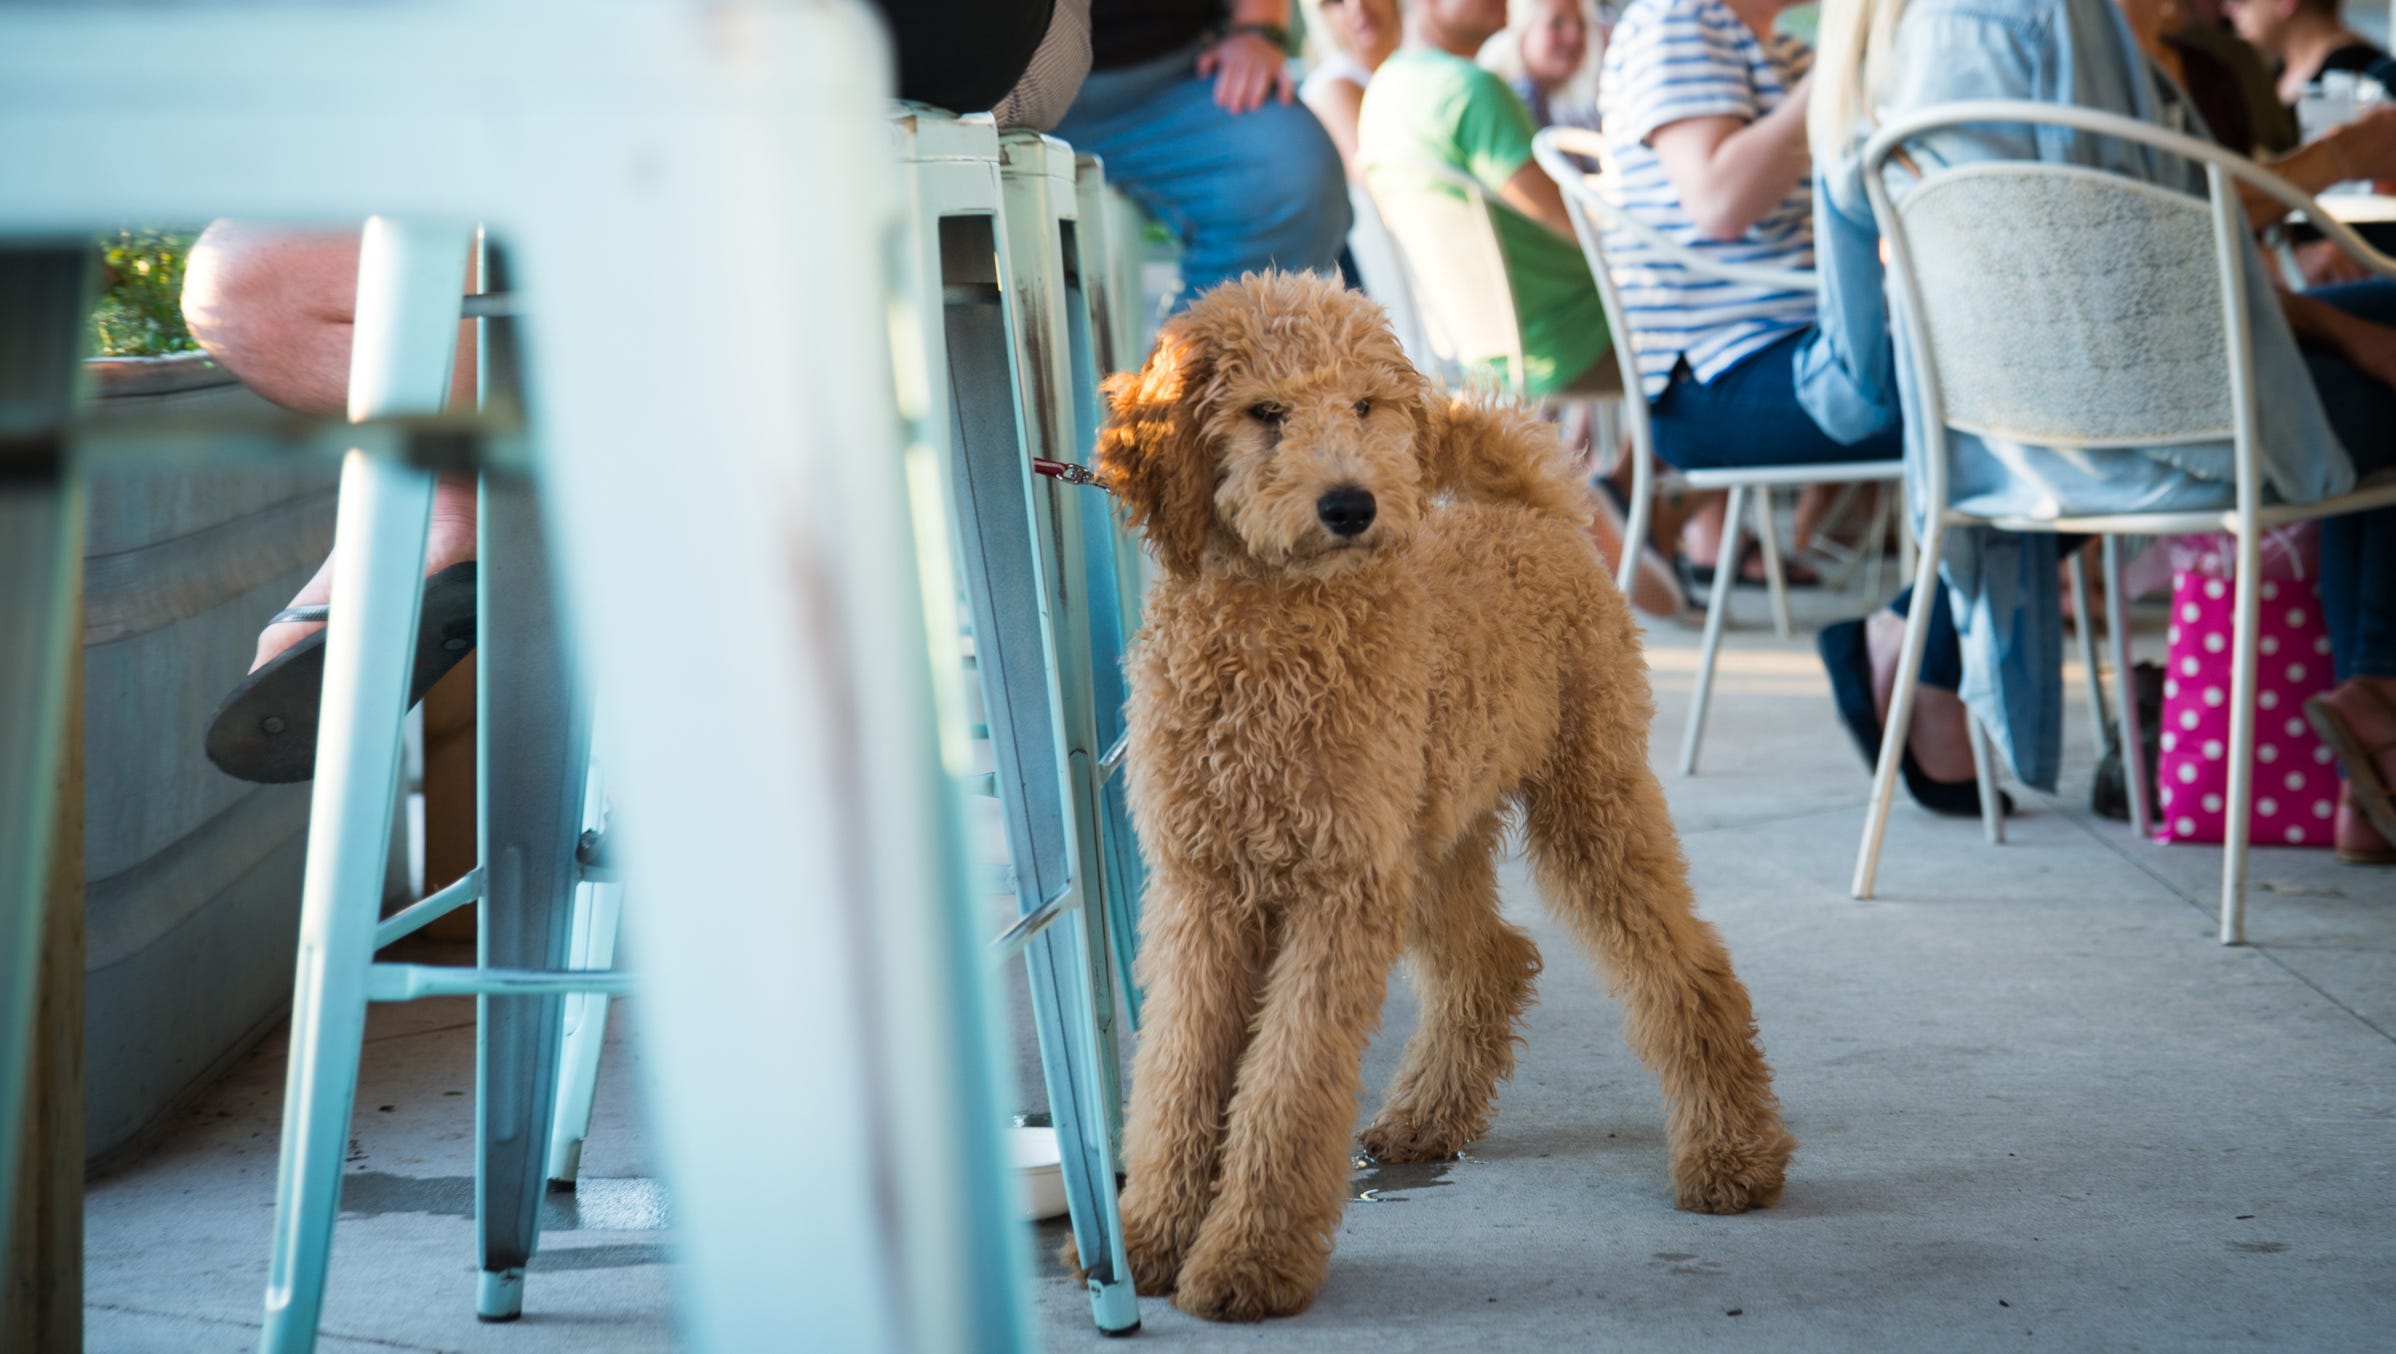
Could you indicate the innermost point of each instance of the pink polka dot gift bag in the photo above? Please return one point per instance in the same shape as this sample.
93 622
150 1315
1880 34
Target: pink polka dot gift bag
2295 780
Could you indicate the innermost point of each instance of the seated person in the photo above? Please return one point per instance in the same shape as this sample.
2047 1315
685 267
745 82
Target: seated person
1549 63
1430 104
1702 108
1703 111
274 305
1189 103
1355 37
2325 368
2307 38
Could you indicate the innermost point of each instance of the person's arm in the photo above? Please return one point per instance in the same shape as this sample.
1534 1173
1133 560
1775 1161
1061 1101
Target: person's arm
2372 347
2362 149
1531 192
1729 172
1249 67
1337 104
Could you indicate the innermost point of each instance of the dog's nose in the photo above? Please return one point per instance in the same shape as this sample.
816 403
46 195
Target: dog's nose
1347 510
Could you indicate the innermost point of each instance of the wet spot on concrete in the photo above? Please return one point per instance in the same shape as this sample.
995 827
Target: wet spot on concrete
2259 1247
1375 1179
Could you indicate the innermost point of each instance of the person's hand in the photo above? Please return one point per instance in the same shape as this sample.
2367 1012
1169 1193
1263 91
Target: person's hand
1248 69
2323 263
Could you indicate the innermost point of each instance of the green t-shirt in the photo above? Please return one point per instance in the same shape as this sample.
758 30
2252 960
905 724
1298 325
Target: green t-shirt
1424 104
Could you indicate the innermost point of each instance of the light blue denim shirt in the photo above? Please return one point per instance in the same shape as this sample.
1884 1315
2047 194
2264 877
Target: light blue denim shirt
2003 584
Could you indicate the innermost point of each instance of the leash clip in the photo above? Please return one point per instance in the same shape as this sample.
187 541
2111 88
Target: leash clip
1071 473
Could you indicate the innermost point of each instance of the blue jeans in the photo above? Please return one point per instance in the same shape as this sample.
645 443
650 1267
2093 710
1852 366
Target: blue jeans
2358 550
1749 416
1260 190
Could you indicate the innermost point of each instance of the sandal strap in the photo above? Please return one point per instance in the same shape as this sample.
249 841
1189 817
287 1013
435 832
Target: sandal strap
305 614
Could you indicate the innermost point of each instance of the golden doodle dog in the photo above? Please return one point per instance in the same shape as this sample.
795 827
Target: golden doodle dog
1380 625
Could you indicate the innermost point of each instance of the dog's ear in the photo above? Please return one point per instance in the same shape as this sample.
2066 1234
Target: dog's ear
1152 451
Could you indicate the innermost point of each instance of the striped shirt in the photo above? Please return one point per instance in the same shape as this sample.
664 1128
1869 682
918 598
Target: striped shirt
1667 61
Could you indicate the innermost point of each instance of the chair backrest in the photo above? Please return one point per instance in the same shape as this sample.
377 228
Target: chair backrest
2068 306
1445 227
1383 272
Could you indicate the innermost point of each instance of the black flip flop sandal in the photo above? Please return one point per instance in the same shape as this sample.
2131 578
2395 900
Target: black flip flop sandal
1849 663
265 730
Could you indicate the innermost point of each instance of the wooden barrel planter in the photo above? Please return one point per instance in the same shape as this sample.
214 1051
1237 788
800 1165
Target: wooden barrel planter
193 878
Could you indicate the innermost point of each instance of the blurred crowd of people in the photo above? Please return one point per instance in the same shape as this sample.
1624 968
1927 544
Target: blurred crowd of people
1731 136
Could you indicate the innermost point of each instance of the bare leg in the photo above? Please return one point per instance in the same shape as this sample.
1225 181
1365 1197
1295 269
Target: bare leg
275 307
1473 972
1942 729
1267 1239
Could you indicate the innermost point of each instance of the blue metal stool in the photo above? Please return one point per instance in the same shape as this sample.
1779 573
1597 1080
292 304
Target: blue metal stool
1002 388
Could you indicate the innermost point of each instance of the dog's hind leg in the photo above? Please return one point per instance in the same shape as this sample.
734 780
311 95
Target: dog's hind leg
1267 1239
1610 865
1200 963
1472 971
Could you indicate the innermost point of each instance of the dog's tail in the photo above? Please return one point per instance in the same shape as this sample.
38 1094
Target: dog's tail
1486 451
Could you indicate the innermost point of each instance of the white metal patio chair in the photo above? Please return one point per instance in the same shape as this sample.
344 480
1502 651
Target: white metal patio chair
1382 270
1556 149
1996 306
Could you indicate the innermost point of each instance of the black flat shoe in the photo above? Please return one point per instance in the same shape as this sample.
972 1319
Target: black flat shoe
265 730
1849 663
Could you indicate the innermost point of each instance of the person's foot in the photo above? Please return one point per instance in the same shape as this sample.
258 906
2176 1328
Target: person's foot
2357 721
2357 841
1940 738
448 540
1654 590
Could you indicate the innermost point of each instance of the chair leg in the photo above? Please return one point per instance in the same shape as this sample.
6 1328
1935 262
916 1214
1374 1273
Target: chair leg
44 296
1884 512
409 281
1726 573
598 917
378 563
1643 498
1900 720
1776 577
1984 775
535 757
2242 739
1063 1002
2125 693
2100 728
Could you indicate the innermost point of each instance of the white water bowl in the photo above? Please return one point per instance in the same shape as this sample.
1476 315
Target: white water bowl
1033 1153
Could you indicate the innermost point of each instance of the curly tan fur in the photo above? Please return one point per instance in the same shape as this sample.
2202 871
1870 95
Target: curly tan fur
1325 731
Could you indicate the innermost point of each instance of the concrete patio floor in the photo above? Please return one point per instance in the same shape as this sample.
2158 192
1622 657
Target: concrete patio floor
2038 1106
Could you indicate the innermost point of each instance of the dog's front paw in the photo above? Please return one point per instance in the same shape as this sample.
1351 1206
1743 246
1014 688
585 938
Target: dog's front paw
1733 1176
1398 1136
1247 1283
1156 1254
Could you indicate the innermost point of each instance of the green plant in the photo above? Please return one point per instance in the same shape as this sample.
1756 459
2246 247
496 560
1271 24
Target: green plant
140 313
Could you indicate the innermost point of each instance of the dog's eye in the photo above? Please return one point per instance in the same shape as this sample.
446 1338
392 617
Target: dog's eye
1364 408
1268 412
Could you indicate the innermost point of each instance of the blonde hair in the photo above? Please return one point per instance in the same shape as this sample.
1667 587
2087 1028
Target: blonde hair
1850 69
1502 55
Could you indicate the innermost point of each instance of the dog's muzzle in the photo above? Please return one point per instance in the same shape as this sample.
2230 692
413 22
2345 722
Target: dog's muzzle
1345 511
